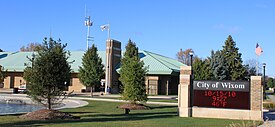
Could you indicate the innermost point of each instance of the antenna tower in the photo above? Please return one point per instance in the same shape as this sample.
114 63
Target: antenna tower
88 23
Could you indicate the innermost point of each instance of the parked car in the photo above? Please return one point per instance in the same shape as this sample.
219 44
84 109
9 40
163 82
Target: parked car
22 89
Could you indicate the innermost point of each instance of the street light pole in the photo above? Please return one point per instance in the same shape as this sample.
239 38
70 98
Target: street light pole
264 94
191 82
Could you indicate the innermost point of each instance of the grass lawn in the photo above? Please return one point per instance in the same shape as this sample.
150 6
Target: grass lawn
150 99
105 114
164 100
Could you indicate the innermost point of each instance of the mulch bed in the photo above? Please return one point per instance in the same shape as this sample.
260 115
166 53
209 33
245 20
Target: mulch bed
45 114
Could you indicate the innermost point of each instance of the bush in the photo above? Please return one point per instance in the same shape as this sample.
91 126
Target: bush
269 106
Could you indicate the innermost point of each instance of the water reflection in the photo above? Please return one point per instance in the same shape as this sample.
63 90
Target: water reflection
18 108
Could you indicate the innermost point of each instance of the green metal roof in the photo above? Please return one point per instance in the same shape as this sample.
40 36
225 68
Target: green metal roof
157 64
16 61
76 56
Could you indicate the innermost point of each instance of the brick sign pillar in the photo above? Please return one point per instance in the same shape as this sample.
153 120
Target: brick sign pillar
256 97
184 108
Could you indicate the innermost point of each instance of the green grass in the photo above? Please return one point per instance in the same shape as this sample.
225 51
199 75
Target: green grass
150 99
163 100
105 114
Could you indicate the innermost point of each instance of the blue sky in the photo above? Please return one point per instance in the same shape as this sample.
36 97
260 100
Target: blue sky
159 26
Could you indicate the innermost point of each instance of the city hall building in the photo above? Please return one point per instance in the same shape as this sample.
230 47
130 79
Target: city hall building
162 77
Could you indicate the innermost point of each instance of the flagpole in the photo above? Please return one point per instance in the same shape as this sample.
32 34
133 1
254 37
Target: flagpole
109 31
257 65
258 52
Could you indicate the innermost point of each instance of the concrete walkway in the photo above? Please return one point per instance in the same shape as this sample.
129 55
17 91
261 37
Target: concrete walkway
68 103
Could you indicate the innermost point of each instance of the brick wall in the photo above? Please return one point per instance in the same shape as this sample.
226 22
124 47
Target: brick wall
256 93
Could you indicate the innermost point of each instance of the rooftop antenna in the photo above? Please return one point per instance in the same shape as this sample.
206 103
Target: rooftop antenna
88 23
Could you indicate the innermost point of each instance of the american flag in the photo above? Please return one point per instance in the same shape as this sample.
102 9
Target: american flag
258 50
104 27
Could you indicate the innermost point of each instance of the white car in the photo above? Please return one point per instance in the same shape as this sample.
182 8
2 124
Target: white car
22 89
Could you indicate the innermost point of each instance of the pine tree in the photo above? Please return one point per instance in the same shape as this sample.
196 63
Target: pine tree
50 73
218 65
132 75
233 60
202 69
92 70
27 75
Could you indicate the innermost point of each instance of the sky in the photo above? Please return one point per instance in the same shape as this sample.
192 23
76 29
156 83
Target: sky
159 26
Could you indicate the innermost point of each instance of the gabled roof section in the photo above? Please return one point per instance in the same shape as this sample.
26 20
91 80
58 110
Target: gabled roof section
76 58
159 64
17 61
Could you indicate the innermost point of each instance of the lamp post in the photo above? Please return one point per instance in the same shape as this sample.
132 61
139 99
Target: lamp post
191 81
264 94
191 57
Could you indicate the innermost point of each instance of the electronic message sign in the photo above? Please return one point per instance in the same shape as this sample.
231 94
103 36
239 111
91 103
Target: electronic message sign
222 94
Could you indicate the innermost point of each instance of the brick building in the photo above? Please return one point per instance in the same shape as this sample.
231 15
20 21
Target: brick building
162 77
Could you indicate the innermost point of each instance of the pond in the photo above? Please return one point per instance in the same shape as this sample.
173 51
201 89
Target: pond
17 108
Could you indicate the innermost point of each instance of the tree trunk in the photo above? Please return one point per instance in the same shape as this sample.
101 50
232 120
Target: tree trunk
127 111
49 99
92 91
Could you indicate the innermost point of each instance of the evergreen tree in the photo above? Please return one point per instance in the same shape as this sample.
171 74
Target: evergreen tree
218 65
132 75
92 70
27 75
202 69
207 69
50 73
233 60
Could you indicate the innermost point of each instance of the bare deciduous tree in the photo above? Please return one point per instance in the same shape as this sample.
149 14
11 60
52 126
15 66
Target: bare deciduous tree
31 47
183 56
